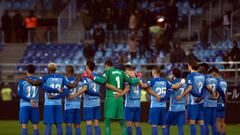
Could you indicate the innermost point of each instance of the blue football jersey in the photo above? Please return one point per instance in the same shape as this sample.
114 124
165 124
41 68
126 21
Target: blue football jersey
76 102
222 89
91 101
55 81
197 80
159 86
176 105
213 83
27 91
133 97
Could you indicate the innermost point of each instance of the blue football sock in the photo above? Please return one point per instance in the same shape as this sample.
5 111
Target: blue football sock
68 130
180 130
165 131
168 130
59 129
218 133
35 132
129 130
154 130
193 129
202 130
214 129
89 130
97 130
24 131
48 129
207 129
78 131
138 131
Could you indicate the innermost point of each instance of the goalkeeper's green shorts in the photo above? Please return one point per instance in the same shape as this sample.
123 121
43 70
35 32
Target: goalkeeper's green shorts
113 108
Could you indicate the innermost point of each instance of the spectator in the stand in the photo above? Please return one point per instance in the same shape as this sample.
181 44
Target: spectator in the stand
144 39
138 18
99 38
226 24
172 13
132 44
147 17
122 58
6 26
178 54
18 27
204 34
234 52
132 5
191 56
87 23
109 23
133 22
97 11
31 25
121 20
88 51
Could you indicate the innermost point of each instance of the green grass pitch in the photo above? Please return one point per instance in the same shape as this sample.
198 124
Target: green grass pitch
13 128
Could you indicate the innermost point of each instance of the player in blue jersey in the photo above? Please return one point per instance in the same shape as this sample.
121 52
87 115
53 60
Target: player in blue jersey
222 90
91 103
29 97
132 101
53 107
158 111
72 106
195 83
176 114
210 100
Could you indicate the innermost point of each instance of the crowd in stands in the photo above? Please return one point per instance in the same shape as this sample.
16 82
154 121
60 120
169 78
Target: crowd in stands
17 27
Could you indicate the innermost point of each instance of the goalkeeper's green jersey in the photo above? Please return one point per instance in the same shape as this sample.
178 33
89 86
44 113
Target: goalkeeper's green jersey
116 78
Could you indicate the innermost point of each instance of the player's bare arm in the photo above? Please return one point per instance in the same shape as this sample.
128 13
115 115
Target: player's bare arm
113 88
125 90
186 91
80 92
74 84
148 89
33 82
178 85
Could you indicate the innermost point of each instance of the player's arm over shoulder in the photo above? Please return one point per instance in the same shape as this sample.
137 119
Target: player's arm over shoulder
130 80
103 79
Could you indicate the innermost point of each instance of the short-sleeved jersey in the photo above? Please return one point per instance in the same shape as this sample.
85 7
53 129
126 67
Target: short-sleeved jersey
213 83
197 81
176 105
159 86
29 91
116 78
55 81
133 97
91 101
222 88
76 102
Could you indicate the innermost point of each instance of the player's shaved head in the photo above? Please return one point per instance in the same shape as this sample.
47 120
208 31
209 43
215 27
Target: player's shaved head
156 70
30 69
203 68
193 64
70 69
52 67
176 72
128 67
90 65
213 70
108 63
